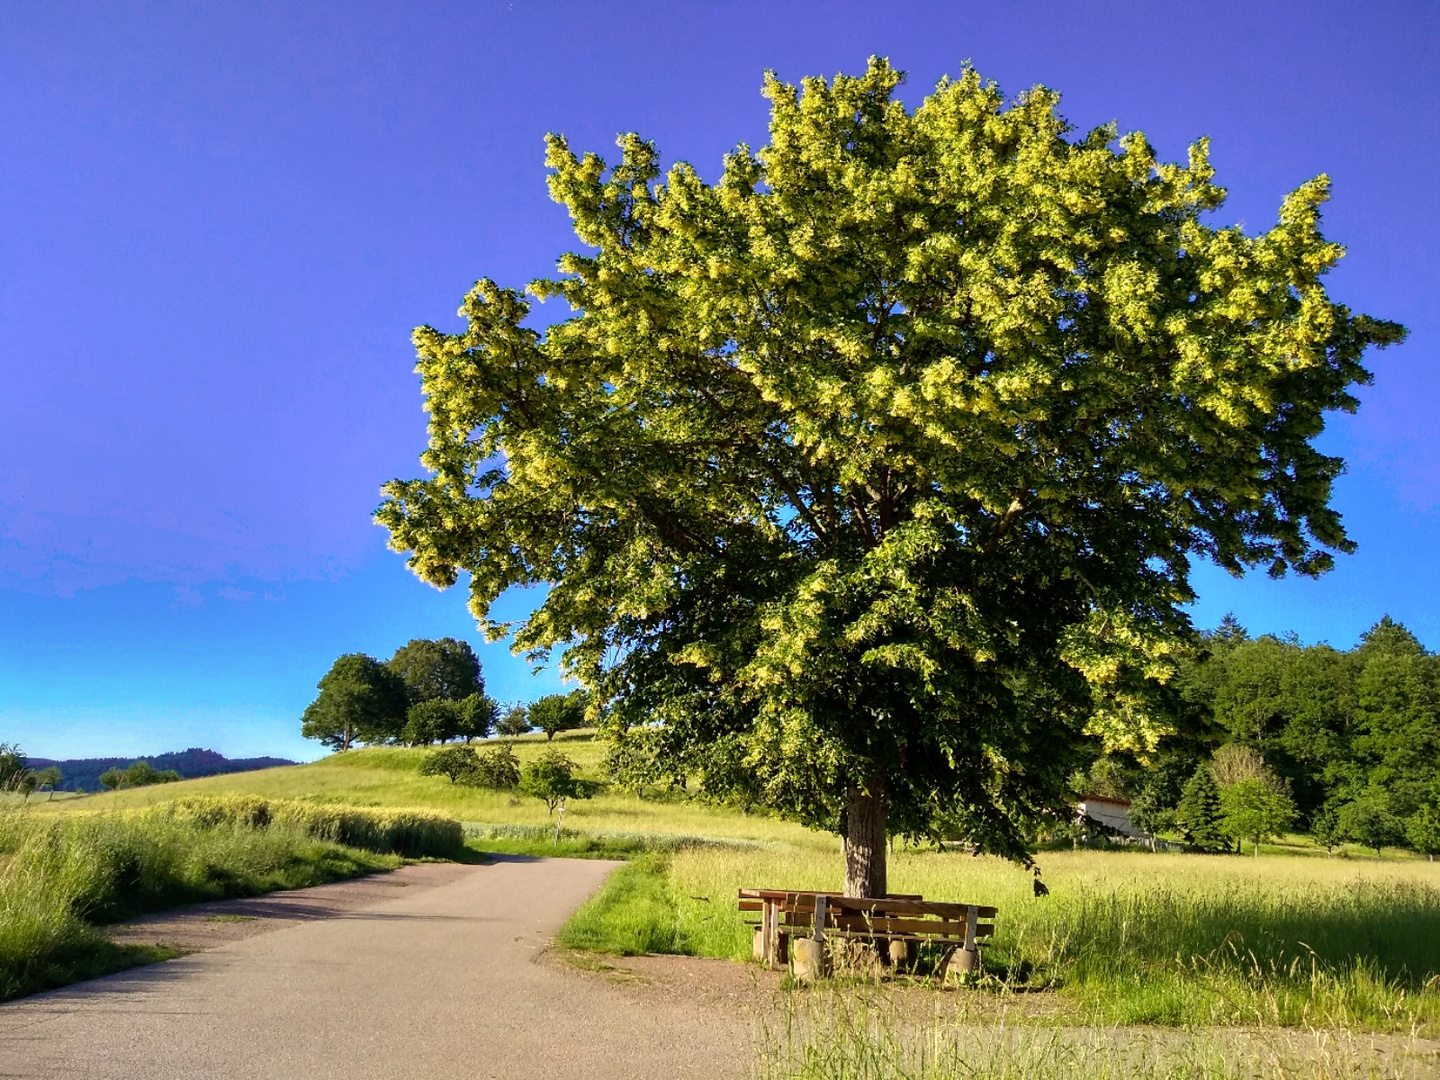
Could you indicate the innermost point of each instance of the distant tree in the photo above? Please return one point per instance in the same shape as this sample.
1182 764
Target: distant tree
1107 779
1235 762
443 669
1230 629
554 713
1325 829
140 774
1153 807
497 767
515 720
551 779
431 721
478 714
13 766
360 700
1370 822
48 777
1199 814
1255 810
1397 739
457 762
1423 831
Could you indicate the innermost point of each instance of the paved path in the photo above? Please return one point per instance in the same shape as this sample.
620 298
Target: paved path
429 982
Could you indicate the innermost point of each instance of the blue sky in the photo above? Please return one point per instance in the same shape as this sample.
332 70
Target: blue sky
219 222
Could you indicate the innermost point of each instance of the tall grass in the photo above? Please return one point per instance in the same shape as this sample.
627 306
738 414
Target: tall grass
61 876
1131 937
400 831
849 1034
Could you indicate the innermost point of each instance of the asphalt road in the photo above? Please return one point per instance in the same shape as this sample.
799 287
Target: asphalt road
434 981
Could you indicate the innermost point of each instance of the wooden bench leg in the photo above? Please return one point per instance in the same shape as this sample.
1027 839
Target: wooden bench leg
902 954
943 968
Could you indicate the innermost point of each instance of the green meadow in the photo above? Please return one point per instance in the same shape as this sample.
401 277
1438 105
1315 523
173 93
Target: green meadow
1292 940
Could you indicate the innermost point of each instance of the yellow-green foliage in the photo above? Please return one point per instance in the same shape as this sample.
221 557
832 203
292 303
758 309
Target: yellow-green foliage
412 832
61 874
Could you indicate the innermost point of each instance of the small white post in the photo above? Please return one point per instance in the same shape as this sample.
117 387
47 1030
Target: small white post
558 819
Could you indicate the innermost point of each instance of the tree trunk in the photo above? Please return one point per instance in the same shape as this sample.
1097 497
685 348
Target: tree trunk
866 816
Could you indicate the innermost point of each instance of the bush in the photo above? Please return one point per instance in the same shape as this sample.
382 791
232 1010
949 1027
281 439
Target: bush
456 762
497 768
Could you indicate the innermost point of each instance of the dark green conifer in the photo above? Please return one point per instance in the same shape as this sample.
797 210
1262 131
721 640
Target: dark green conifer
1198 815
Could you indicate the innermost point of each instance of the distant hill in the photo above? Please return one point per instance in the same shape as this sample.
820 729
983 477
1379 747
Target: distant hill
83 774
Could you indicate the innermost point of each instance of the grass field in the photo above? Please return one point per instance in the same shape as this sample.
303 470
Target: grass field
1125 937
388 777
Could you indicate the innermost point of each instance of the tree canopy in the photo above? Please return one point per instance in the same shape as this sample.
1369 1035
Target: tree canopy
360 700
442 669
555 713
866 480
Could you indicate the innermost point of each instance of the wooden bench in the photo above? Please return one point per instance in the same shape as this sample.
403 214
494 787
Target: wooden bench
784 914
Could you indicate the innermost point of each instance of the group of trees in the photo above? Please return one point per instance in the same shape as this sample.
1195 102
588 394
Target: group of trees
430 691
551 777
1268 733
139 774
17 776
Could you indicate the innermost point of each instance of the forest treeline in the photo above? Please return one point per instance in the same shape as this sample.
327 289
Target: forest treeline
1345 744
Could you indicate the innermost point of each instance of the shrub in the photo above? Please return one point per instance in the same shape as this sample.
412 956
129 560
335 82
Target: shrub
1369 821
497 768
456 762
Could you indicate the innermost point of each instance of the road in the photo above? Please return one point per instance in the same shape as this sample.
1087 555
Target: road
437 980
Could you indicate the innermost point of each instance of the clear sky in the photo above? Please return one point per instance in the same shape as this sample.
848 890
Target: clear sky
220 221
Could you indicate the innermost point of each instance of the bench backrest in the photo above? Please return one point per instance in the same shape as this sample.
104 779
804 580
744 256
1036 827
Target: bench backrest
888 915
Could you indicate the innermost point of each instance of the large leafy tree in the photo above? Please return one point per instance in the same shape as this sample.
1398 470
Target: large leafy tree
360 700
866 480
442 669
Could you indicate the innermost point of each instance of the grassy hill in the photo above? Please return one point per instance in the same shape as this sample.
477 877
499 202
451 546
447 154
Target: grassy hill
389 776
